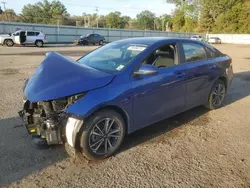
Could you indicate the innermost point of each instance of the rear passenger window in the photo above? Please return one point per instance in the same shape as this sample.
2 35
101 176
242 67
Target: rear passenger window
30 33
212 54
194 52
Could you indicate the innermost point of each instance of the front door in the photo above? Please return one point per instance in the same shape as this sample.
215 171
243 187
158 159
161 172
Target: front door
156 97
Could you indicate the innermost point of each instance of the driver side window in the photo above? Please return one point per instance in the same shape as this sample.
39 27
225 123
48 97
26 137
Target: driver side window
163 57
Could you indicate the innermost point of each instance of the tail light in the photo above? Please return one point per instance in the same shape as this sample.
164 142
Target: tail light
45 37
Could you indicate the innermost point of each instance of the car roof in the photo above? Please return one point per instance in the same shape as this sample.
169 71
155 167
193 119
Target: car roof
150 40
29 31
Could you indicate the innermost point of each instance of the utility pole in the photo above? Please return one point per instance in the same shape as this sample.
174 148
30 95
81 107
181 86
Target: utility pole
96 9
4 7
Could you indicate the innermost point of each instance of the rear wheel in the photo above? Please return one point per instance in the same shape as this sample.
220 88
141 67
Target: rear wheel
102 135
9 42
39 43
101 42
217 95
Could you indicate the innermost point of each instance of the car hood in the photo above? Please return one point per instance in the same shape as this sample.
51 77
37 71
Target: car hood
58 76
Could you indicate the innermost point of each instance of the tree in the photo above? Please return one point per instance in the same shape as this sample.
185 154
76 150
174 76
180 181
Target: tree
113 20
178 20
45 12
145 20
1 11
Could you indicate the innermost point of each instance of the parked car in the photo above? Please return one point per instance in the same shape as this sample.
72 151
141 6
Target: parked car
214 40
24 38
197 37
90 39
119 88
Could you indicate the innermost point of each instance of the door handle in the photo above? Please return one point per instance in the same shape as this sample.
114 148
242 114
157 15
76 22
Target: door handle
180 74
212 67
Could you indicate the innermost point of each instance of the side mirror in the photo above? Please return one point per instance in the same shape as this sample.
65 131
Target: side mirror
147 70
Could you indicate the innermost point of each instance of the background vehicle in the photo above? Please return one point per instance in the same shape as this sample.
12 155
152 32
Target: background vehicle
120 88
214 40
90 39
197 37
24 38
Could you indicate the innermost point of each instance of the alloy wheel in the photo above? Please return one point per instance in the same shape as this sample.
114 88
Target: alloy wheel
104 136
218 95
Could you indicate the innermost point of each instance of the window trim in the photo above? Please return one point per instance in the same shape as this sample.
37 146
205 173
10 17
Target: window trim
177 56
195 43
31 32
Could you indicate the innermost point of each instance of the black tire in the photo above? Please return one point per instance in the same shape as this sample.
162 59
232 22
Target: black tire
9 43
39 43
217 95
85 42
90 140
101 42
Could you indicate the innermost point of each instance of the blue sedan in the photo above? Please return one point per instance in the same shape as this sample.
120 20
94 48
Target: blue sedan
119 88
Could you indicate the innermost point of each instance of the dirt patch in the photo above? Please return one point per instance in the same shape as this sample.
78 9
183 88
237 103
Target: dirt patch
9 71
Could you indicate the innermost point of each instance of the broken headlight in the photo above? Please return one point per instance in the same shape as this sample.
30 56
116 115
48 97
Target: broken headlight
62 103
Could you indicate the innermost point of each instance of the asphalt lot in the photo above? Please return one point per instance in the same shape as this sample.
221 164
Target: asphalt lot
198 148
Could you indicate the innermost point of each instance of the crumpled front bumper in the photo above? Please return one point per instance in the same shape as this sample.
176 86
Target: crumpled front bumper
65 129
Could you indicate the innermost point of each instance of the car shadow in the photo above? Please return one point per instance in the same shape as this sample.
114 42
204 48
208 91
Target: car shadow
237 91
18 156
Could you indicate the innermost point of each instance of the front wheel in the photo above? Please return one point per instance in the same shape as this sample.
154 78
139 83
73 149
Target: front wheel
217 95
9 43
102 135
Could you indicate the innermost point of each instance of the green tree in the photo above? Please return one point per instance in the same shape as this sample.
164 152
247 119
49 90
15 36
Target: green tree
113 20
45 12
145 20
178 20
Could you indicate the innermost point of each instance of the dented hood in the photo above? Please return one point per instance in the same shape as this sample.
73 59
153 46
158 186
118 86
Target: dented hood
58 76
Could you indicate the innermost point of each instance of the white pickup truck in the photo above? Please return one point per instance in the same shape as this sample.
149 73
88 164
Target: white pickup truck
24 38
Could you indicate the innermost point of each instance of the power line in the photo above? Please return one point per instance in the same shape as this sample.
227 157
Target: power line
4 6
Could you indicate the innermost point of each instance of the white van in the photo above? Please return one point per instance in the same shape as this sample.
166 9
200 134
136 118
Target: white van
24 38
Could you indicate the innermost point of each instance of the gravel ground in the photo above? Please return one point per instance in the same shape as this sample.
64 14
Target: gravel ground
198 148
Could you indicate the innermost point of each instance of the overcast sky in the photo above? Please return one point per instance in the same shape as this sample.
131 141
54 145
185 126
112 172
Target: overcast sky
126 7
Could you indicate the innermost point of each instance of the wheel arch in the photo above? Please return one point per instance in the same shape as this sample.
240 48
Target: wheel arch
117 109
224 79
7 40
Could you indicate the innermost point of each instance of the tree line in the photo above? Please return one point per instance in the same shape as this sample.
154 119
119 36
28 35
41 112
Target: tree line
217 16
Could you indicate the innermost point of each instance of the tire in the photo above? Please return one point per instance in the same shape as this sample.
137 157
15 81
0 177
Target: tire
9 43
39 43
216 95
101 42
98 141
85 43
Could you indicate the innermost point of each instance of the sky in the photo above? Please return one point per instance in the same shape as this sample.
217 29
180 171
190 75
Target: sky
126 7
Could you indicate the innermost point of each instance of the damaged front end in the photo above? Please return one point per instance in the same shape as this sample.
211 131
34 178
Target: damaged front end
48 120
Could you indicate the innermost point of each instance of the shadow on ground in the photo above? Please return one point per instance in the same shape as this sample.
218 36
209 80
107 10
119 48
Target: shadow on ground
19 158
237 92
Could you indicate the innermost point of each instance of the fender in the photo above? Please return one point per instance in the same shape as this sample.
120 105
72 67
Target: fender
110 95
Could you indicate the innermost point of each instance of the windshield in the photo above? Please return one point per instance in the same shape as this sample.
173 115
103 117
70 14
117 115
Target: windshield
112 57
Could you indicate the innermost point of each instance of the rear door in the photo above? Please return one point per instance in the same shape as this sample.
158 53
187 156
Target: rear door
31 37
199 69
